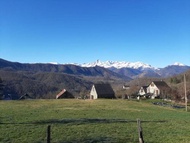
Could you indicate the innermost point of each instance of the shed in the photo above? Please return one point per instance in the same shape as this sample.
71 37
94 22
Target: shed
25 96
102 90
64 94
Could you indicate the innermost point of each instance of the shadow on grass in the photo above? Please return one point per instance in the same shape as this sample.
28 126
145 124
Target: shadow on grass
92 140
84 121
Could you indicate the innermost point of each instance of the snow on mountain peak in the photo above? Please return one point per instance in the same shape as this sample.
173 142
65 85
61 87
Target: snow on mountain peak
178 64
118 65
53 63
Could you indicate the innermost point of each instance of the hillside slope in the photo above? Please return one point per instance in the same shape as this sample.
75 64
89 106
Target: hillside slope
46 80
41 85
68 69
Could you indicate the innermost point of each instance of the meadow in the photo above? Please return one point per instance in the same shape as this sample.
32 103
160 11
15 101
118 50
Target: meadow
91 121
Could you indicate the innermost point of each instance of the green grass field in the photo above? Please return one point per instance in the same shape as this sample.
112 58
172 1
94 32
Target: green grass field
91 121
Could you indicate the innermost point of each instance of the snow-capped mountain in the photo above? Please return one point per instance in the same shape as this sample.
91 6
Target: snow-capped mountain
53 63
178 64
174 69
118 65
139 69
123 69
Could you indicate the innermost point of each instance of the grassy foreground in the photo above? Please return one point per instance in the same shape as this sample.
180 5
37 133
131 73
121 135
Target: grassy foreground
91 121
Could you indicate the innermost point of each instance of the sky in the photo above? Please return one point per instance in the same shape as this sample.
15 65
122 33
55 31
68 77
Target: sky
156 32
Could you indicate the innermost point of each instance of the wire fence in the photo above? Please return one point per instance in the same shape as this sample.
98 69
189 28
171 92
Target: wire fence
48 124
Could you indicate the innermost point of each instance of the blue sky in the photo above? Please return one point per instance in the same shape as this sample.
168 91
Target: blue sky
156 32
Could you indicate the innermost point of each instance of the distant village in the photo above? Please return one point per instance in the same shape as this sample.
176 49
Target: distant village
156 89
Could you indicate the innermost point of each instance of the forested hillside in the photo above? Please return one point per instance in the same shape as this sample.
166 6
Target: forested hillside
47 80
67 69
177 83
41 85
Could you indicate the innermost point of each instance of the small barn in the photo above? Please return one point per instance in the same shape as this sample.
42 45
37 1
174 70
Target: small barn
64 94
102 90
158 89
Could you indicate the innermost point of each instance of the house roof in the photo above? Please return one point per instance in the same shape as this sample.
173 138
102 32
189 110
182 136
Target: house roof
104 90
25 96
64 94
144 87
60 93
161 84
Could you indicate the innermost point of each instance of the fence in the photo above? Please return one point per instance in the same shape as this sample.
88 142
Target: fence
139 129
50 123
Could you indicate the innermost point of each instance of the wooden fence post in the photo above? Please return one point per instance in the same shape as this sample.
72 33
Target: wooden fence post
48 134
140 131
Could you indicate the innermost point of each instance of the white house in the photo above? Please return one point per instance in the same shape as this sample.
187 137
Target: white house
142 90
158 88
101 91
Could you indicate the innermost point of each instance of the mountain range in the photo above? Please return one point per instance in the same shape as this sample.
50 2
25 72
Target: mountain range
71 69
45 80
118 69
118 64
139 69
